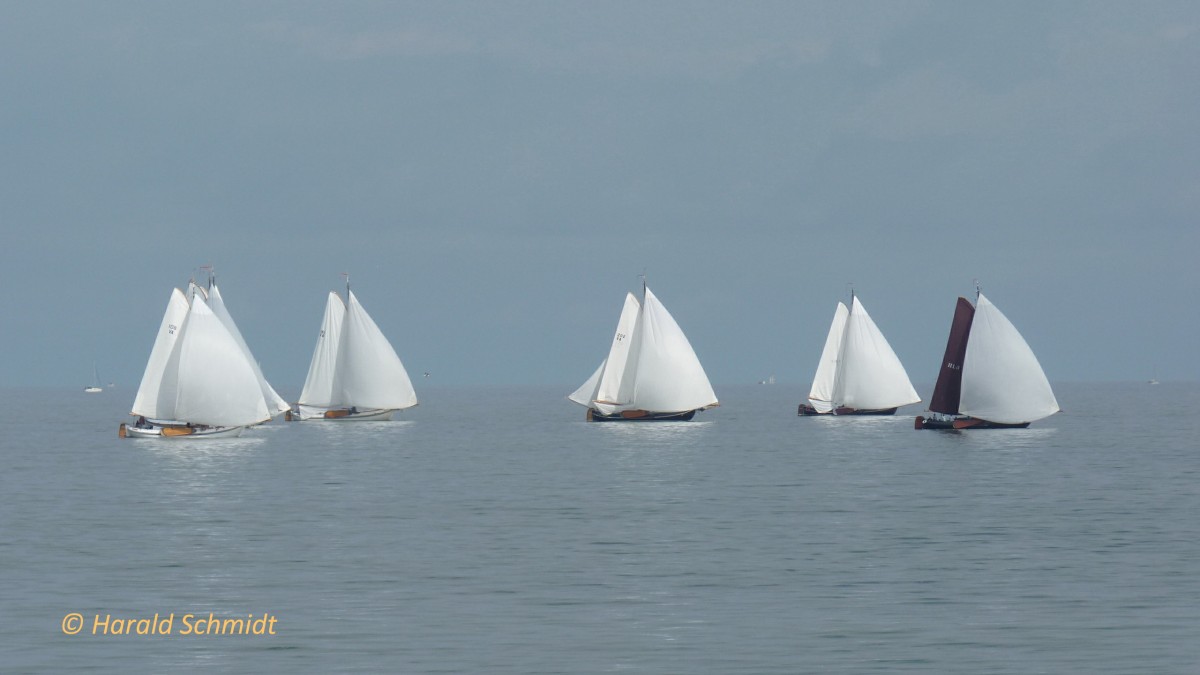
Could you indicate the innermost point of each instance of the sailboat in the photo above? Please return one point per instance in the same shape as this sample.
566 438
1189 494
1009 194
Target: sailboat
355 374
858 373
94 387
989 378
651 372
198 381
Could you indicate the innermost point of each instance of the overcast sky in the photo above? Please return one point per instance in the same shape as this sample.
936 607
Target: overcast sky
495 176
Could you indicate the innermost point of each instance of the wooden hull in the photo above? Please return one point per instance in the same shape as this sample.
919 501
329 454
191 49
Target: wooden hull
343 415
177 431
806 410
961 423
594 415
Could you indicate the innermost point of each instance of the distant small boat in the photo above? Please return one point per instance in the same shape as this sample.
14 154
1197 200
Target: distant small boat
858 373
355 375
94 387
198 382
990 378
651 372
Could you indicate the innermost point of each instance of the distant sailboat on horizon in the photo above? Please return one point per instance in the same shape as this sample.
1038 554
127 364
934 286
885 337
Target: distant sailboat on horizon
94 387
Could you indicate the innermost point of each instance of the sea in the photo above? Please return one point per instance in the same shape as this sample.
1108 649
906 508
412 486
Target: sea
493 530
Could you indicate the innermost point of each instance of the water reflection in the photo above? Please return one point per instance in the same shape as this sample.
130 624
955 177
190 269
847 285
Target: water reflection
355 433
1005 439
653 433
193 453
855 429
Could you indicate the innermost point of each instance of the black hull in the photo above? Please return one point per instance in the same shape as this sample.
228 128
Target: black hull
850 411
964 423
640 416
808 411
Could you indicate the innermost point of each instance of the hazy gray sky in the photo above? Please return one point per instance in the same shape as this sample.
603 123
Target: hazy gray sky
495 175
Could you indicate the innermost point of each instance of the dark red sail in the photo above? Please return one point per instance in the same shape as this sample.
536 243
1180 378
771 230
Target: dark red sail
949 382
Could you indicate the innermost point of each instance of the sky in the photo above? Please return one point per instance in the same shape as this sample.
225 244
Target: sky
495 176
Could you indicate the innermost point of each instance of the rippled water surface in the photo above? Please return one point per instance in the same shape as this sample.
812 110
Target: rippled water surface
493 530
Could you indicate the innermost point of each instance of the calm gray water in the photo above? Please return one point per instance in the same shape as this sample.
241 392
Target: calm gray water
493 531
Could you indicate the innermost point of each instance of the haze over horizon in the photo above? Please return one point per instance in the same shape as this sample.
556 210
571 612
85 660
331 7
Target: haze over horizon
495 176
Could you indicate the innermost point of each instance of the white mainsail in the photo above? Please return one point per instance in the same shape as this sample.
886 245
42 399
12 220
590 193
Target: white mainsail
317 395
368 373
651 366
274 401
820 396
216 383
145 403
1002 380
669 375
869 374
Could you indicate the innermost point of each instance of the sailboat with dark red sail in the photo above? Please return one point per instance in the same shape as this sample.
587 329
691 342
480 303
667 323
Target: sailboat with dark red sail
990 378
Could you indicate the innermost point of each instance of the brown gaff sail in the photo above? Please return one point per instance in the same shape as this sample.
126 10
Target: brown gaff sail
948 389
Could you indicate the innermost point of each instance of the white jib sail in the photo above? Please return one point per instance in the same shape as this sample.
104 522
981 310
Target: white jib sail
586 393
369 374
1002 380
615 387
146 401
820 397
216 382
669 375
274 401
317 394
869 374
